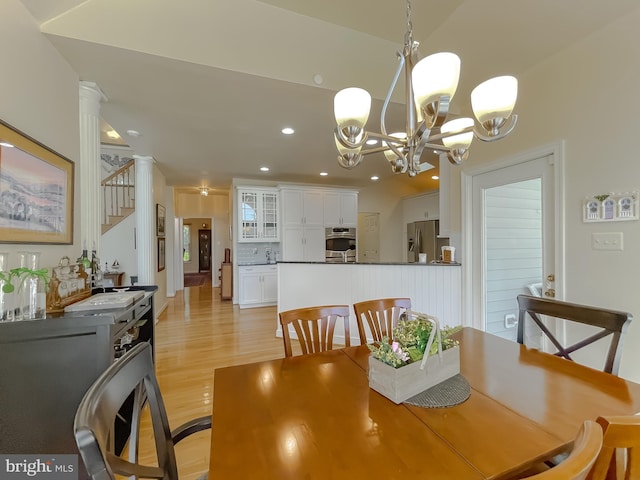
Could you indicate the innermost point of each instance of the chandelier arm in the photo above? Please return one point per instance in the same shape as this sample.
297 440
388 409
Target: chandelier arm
504 131
345 139
349 160
383 113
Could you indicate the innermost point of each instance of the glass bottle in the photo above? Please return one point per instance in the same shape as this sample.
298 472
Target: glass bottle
32 293
7 295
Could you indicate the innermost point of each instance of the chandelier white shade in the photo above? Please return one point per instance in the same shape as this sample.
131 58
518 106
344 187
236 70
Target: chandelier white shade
435 76
494 98
430 85
351 107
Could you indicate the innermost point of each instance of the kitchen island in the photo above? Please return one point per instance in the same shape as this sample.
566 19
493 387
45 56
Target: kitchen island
433 288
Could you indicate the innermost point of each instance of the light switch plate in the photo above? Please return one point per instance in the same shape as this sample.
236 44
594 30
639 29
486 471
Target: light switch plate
606 241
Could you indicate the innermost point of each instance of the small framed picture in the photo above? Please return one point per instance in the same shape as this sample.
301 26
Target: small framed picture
161 253
160 220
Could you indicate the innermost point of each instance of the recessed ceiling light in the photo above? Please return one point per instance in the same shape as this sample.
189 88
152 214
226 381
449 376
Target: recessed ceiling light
435 177
133 133
264 169
317 79
373 141
375 177
5 144
288 131
323 174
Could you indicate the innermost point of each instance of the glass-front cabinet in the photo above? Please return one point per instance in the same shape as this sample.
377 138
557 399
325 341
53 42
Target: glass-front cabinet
258 215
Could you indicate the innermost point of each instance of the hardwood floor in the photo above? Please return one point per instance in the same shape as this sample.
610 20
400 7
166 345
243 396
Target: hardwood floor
196 334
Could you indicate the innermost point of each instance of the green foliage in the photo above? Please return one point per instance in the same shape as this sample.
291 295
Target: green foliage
22 273
410 341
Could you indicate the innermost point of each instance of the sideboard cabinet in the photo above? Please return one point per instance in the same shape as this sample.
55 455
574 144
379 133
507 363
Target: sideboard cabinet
46 366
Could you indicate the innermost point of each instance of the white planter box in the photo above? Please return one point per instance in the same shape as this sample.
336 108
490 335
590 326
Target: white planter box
399 384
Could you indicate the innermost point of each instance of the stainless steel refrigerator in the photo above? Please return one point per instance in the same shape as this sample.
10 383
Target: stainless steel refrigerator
422 237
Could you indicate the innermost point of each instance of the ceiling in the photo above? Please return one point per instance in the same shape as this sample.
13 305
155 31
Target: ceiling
210 84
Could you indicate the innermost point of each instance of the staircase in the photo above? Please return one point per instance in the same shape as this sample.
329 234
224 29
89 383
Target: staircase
118 196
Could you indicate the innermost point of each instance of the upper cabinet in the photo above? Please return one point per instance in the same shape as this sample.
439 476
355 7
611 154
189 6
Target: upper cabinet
341 209
421 207
258 210
302 207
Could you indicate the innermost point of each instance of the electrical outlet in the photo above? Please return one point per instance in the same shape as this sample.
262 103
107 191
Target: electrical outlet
510 320
606 241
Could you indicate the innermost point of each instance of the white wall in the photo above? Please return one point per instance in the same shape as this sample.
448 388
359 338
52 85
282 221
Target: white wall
162 195
39 96
119 244
588 96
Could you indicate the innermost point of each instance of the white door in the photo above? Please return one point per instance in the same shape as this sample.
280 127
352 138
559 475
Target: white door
368 237
511 239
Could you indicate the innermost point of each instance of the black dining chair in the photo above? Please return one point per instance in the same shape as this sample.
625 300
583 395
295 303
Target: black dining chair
130 377
610 322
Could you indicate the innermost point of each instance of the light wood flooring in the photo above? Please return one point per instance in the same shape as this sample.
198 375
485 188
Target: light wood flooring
196 334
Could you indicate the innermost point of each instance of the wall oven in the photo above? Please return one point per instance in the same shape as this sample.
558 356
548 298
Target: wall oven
340 245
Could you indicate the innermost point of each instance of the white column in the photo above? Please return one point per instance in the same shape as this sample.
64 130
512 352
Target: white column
145 220
90 191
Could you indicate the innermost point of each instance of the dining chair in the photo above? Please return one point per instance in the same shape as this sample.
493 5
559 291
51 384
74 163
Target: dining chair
582 457
381 315
620 454
610 322
314 327
131 377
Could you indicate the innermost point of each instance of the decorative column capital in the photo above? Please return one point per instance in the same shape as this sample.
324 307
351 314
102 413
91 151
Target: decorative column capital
91 90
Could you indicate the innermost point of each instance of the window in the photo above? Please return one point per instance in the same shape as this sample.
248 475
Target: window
186 243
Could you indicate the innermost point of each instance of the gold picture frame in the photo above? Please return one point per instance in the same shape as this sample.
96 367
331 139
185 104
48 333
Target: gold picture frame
161 253
160 220
36 191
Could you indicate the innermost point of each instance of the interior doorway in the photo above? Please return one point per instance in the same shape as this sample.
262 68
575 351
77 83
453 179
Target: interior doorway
204 250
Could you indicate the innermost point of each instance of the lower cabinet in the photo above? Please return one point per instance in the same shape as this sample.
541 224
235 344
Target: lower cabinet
303 244
258 285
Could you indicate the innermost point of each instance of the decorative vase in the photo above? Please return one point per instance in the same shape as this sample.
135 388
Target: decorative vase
32 293
7 295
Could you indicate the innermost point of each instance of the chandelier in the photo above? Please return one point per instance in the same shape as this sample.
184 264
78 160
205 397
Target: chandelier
429 88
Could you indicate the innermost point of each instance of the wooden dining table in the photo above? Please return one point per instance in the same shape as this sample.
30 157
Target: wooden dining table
315 417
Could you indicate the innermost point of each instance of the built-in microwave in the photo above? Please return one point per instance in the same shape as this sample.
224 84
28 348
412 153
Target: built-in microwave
340 245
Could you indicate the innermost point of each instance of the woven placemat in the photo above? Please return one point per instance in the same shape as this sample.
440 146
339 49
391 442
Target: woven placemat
452 391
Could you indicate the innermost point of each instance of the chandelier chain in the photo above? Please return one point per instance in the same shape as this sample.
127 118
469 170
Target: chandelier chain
408 36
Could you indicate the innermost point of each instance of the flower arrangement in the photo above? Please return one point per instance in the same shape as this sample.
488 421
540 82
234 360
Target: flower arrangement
411 337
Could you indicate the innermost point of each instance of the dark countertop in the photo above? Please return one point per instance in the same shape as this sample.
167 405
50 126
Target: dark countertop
430 264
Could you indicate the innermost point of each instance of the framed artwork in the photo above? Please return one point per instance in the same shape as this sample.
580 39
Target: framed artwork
36 191
161 253
160 220
610 207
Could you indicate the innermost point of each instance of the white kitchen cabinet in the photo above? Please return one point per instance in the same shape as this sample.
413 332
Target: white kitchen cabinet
421 207
341 209
303 243
258 212
302 224
258 285
302 207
